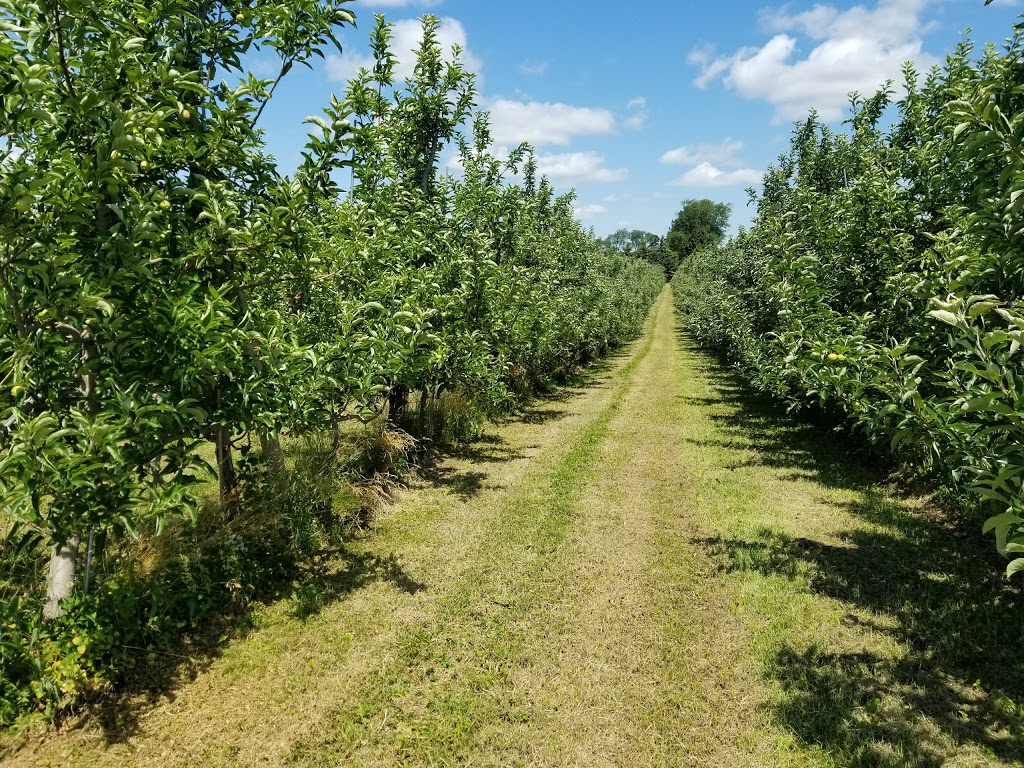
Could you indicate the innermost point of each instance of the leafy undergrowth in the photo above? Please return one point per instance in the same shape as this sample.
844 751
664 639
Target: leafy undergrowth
161 599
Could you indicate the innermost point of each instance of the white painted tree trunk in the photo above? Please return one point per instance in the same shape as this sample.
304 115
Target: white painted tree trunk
62 577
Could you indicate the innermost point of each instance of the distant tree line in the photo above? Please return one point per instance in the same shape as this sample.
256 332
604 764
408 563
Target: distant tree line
699 224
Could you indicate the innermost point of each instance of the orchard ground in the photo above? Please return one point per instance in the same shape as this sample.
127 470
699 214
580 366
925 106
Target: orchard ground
649 570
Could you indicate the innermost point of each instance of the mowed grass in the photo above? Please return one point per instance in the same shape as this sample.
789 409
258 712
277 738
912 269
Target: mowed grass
651 570
883 628
282 688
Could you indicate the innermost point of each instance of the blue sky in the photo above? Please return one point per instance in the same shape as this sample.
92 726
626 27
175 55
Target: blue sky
641 105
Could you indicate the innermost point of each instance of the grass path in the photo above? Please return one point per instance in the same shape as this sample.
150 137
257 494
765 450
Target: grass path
650 571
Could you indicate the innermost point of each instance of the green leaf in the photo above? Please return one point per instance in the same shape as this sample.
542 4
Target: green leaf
946 317
1001 521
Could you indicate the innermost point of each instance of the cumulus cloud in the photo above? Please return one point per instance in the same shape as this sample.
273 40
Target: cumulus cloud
408 34
542 123
712 165
856 49
571 167
563 168
707 175
726 152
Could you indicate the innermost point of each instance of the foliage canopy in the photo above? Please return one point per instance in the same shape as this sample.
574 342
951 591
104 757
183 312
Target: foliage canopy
700 224
883 276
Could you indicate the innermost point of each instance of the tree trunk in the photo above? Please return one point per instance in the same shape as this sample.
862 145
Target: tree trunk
63 559
225 463
398 400
62 577
274 456
335 435
428 169
424 397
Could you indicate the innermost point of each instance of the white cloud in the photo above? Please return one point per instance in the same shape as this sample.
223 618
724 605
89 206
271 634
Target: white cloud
707 175
343 68
589 211
712 165
540 123
726 153
638 113
408 34
533 67
572 167
565 168
857 49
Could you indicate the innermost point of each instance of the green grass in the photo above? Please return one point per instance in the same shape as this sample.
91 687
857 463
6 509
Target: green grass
440 688
883 627
657 570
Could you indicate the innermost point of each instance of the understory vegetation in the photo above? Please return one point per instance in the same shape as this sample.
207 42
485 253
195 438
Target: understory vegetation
881 281
204 362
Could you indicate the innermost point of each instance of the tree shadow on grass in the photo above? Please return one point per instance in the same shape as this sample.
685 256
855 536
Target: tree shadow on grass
932 583
329 577
439 470
543 415
326 580
811 445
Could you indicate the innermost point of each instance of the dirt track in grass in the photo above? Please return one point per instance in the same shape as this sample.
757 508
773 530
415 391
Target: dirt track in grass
651 570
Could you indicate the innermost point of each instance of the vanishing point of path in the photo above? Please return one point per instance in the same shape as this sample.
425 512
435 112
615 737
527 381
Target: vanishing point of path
651 570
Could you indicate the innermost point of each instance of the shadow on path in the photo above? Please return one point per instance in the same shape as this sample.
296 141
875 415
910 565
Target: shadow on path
935 585
438 467
330 577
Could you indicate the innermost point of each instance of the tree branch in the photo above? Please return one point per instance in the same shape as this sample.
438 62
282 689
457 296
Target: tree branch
60 50
89 352
12 297
286 64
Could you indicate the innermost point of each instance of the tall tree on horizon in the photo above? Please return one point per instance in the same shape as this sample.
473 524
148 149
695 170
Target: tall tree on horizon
700 224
